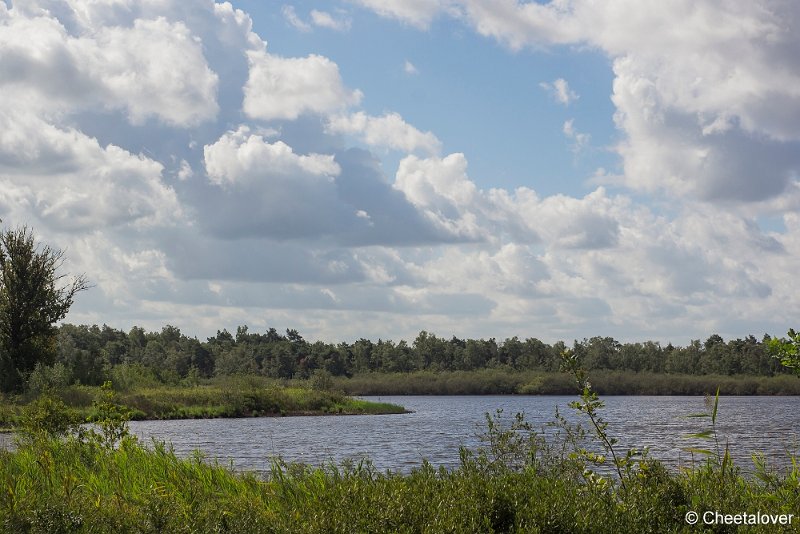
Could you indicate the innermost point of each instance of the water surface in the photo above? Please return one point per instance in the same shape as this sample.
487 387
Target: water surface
441 424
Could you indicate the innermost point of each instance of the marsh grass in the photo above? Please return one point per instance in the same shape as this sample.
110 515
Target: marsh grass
244 396
503 381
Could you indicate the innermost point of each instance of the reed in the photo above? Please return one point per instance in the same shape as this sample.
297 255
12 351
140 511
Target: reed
226 397
504 381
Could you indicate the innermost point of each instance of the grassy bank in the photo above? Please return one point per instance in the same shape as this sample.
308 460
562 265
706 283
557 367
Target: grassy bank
504 382
227 397
518 482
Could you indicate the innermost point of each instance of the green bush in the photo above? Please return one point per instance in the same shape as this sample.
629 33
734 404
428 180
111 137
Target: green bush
46 378
47 416
127 377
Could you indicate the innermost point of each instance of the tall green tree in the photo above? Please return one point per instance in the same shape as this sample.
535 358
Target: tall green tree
34 295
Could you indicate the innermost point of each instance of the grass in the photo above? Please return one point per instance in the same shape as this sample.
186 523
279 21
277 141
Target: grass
212 401
228 397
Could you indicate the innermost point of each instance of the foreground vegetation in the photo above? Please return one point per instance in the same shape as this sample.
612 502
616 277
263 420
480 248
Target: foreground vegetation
562 478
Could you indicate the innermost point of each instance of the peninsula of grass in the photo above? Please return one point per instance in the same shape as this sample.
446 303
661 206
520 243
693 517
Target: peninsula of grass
219 398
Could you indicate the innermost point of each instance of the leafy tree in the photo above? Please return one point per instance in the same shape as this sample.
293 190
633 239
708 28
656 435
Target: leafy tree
293 336
599 352
202 359
476 354
283 360
510 351
80 349
362 356
33 297
788 351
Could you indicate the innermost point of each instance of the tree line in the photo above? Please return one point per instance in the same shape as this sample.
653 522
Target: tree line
90 354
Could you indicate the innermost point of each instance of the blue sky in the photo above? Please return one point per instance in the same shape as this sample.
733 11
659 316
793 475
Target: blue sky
373 168
478 96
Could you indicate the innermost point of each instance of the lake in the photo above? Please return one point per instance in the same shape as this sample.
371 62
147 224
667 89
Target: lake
439 425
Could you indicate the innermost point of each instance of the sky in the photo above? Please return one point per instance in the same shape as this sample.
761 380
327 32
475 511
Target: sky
374 168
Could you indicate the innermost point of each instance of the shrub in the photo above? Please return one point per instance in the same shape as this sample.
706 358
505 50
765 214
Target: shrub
47 416
46 378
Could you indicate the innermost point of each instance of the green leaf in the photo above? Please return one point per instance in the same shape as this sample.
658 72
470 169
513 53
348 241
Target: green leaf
697 415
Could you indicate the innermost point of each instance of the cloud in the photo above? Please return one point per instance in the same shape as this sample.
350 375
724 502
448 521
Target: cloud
319 19
522 24
265 189
285 88
698 102
268 262
240 157
674 149
291 17
323 19
588 223
73 184
409 68
441 187
151 68
561 91
417 13
389 131
580 140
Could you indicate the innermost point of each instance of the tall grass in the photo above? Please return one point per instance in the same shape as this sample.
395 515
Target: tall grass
503 381
233 396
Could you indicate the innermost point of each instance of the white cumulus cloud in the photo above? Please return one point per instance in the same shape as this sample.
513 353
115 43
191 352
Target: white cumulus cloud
389 130
239 156
152 68
285 88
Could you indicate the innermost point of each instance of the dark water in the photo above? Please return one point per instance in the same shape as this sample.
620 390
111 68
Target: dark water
439 425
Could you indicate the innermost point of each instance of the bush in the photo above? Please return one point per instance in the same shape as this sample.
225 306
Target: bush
127 377
45 378
321 380
47 416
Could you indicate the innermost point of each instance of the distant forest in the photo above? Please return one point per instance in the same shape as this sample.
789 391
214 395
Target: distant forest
92 354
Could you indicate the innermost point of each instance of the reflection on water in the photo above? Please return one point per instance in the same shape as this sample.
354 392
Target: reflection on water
440 425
